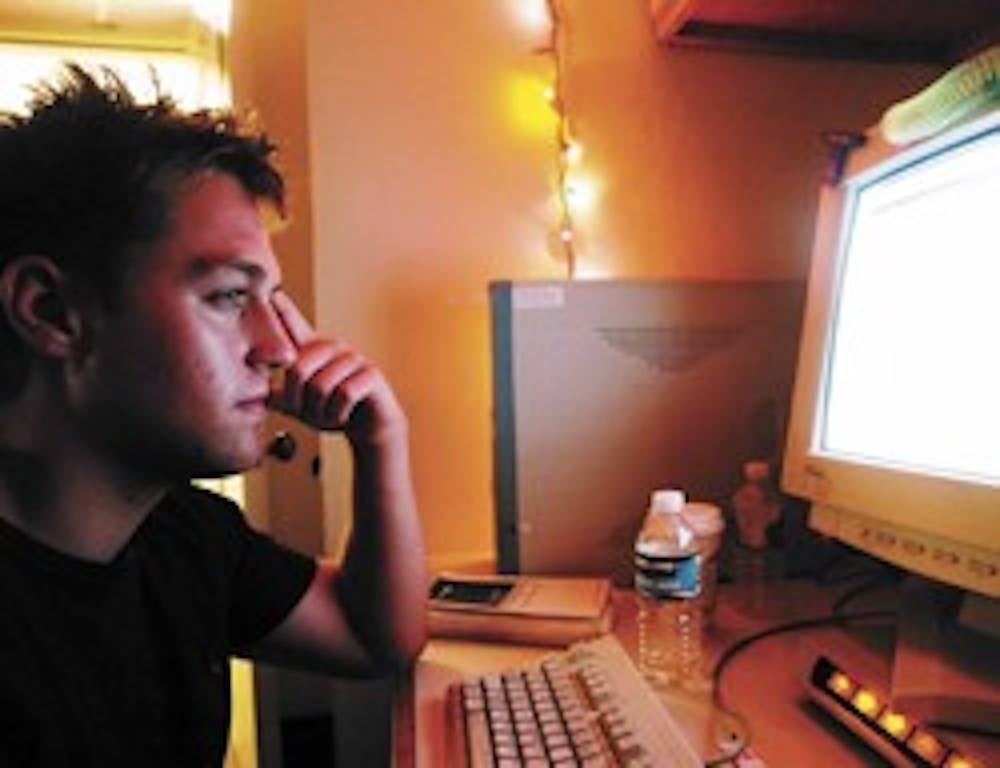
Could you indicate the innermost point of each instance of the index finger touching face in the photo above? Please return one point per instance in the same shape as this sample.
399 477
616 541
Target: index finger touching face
295 323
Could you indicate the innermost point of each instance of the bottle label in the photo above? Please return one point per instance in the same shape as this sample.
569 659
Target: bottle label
670 576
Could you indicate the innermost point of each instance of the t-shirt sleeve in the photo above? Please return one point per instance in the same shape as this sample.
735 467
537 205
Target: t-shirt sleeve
265 579
269 581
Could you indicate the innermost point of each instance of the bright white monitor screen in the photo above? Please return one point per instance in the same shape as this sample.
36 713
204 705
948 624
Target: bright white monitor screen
913 378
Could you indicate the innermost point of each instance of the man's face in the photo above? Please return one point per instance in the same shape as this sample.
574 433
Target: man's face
176 382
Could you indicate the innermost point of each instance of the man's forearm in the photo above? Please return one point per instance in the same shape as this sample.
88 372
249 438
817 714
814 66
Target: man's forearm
383 581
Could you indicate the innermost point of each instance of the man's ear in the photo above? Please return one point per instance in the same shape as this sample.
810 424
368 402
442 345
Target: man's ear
35 297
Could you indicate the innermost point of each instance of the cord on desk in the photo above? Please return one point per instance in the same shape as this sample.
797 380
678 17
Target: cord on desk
790 626
882 577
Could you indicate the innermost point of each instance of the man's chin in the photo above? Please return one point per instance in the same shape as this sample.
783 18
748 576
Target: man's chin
232 463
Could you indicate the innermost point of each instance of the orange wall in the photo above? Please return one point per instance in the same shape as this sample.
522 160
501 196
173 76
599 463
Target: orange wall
423 190
712 159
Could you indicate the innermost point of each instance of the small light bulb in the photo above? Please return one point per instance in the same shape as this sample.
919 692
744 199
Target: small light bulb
581 194
533 15
566 234
573 152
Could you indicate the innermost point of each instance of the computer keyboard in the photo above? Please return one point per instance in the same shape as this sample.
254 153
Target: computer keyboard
587 706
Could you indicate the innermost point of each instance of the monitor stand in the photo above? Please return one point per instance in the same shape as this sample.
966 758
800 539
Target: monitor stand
945 667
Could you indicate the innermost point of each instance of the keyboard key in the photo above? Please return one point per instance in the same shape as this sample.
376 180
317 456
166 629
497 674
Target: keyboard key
561 753
550 729
525 728
503 739
556 740
529 739
533 752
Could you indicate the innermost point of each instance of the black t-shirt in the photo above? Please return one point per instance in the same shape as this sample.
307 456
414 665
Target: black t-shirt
127 663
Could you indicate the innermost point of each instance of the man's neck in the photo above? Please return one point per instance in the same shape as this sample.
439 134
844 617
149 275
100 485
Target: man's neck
57 486
74 506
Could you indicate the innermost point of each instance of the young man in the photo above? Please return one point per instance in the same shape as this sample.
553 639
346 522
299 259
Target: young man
144 334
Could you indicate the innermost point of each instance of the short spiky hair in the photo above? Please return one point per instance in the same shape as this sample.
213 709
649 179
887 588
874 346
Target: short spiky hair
89 173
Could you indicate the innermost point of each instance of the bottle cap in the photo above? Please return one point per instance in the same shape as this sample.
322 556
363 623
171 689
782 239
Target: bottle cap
704 518
667 500
756 471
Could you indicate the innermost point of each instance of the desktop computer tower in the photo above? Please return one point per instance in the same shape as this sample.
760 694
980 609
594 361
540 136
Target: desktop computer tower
606 390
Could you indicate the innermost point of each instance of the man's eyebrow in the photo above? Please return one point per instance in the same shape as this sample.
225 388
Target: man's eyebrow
203 265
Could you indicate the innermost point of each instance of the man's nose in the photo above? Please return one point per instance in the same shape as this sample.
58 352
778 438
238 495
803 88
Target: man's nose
270 343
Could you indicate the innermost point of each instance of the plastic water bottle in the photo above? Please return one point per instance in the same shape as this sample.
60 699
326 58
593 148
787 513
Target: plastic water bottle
667 581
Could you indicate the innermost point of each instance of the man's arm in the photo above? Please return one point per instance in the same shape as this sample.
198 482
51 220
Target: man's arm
369 614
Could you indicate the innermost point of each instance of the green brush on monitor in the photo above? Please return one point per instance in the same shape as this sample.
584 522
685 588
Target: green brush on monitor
964 90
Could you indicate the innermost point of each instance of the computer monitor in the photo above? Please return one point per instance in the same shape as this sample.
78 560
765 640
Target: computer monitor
894 433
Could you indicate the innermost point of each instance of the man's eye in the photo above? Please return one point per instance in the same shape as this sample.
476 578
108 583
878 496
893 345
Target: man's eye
230 298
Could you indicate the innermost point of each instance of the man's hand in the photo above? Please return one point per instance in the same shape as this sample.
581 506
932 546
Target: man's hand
367 613
330 386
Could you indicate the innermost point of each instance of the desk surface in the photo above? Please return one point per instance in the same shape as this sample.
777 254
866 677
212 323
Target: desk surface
765 682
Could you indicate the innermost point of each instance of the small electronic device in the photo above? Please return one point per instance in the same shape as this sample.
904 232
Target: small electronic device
527 609
458 592
899 738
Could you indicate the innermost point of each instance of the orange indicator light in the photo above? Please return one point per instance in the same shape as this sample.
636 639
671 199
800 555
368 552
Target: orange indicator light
840 684
895 724
956 760
927 746
866 703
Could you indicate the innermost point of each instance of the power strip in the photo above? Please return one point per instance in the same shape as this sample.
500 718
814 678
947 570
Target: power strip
896 736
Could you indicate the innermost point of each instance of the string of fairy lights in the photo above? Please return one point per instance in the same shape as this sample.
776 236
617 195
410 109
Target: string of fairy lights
567 150
574 193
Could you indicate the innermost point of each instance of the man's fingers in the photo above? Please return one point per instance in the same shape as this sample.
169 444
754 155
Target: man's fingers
299 329
352 393
321 386
330 385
